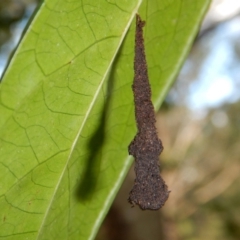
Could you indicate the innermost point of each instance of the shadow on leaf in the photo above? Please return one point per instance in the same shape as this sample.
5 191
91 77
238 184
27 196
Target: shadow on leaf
89 179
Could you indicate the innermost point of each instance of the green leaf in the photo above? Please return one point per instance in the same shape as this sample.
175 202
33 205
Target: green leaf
67 113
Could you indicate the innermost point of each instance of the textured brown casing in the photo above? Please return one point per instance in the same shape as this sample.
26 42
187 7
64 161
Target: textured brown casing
149 190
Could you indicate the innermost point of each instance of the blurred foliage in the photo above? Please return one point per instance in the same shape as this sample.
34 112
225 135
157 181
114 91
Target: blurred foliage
11 12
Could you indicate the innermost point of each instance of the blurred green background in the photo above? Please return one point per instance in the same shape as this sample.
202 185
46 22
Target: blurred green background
199 124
